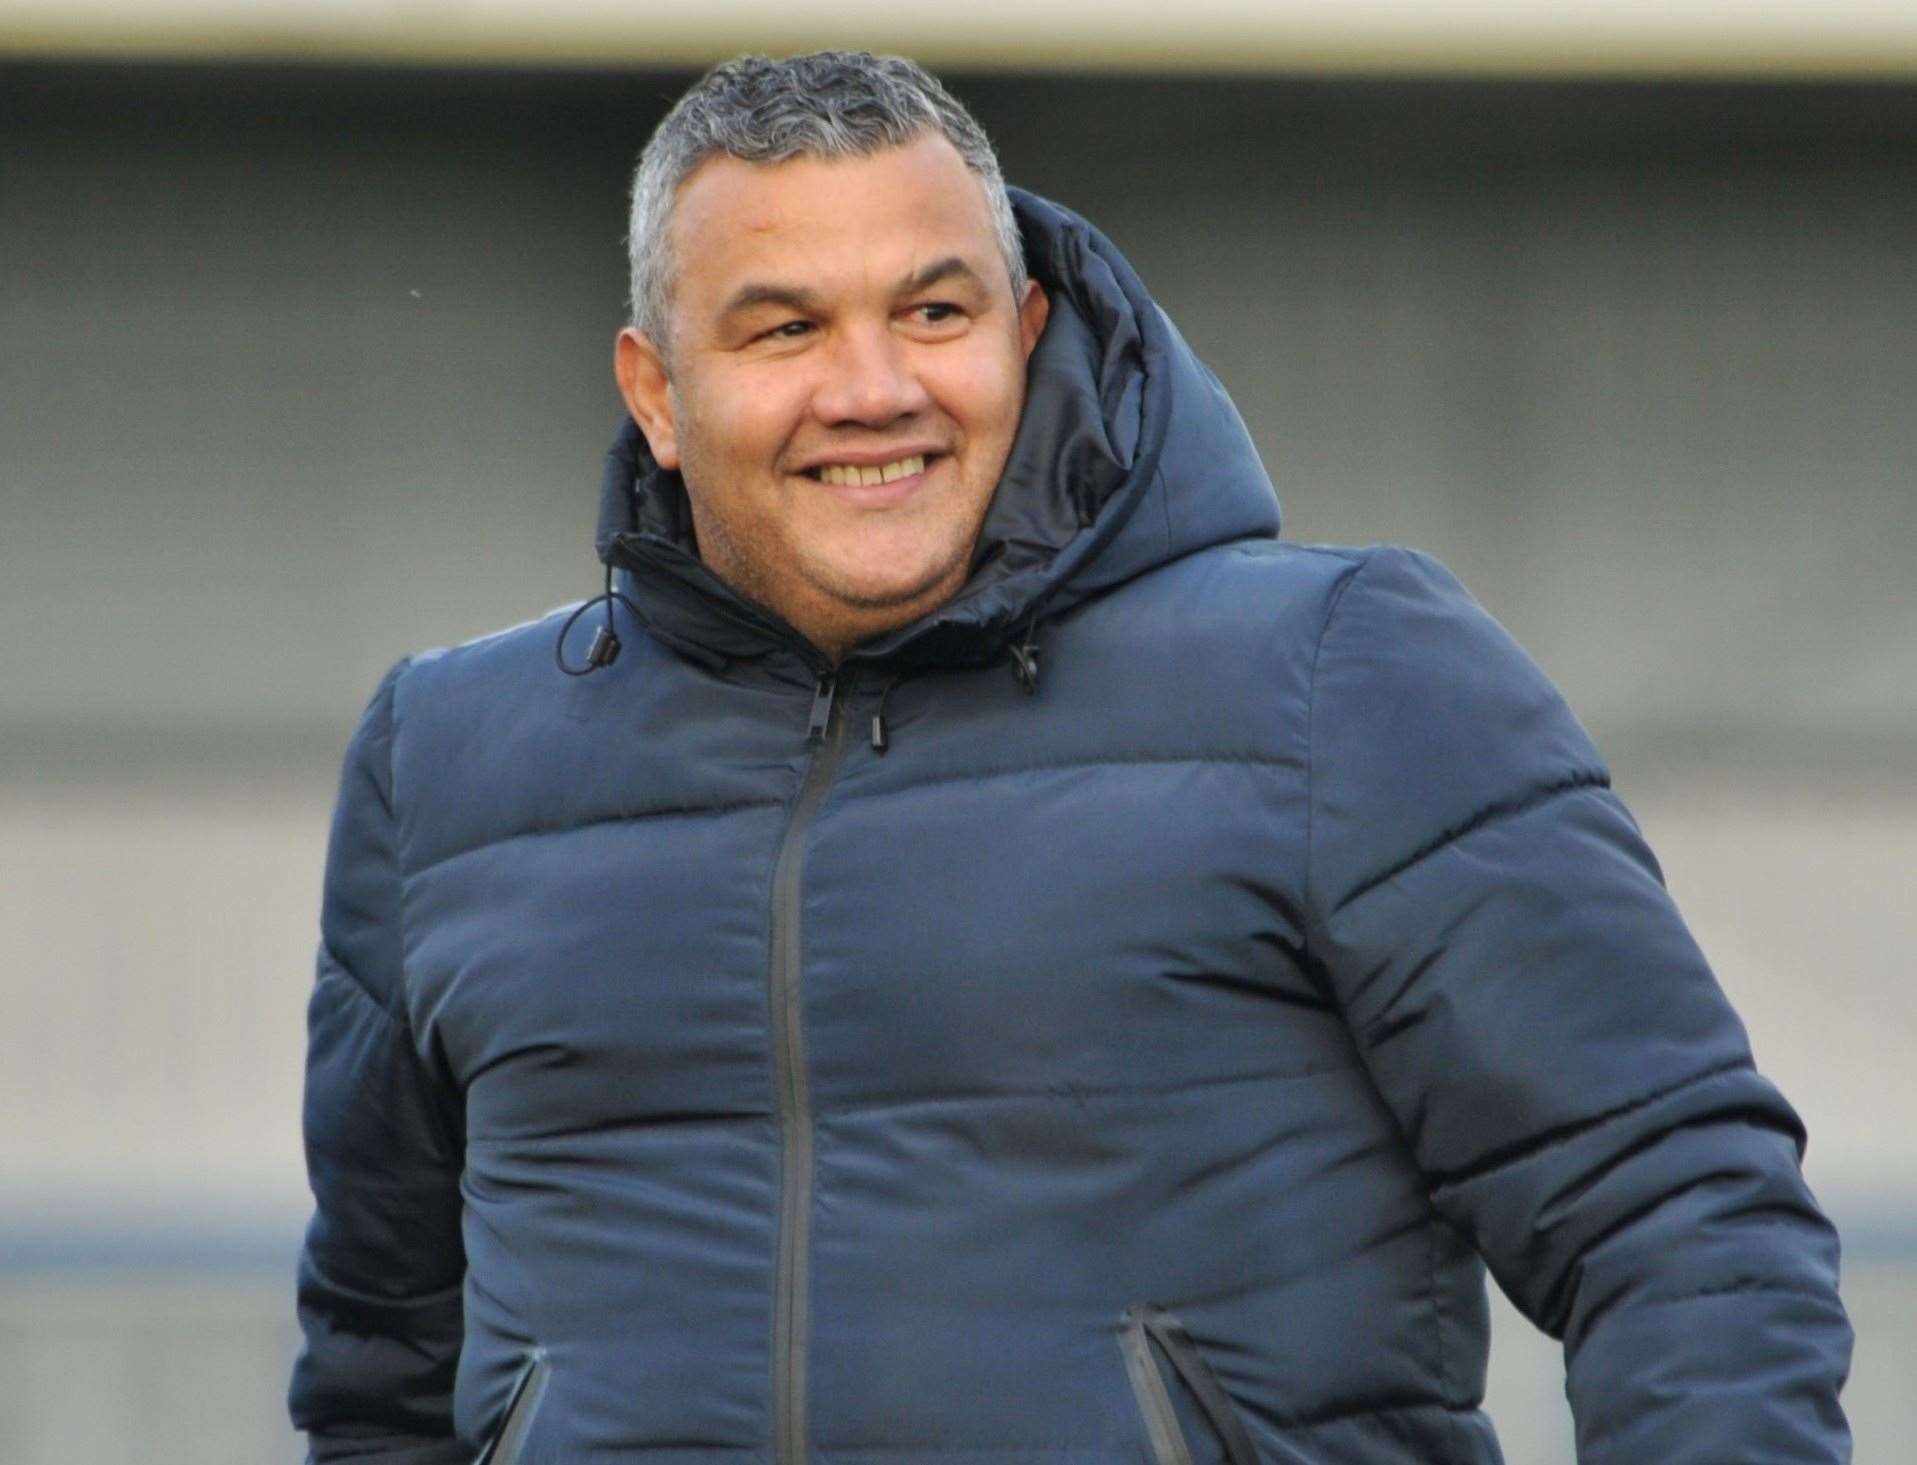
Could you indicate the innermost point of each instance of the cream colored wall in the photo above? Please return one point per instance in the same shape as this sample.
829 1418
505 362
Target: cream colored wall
1632 37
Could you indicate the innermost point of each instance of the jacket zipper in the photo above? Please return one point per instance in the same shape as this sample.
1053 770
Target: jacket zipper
516 1422
825 731
1142 1326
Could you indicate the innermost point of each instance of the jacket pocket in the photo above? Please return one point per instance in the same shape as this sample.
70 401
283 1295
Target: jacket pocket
1142 1327
523 1403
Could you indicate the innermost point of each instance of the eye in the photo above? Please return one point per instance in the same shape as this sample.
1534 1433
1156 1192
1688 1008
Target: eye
790 330
936 312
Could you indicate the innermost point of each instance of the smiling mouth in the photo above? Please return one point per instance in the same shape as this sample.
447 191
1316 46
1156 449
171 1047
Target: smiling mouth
856 475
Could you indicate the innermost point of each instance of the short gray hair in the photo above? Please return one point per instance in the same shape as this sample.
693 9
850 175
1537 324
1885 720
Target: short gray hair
831 104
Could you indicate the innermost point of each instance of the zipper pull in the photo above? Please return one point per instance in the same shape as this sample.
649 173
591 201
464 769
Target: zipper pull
821 708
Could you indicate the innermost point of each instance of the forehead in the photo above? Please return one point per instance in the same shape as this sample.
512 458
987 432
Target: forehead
829 224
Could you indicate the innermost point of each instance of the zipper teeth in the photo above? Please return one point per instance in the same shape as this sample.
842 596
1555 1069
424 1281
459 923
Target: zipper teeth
788 1043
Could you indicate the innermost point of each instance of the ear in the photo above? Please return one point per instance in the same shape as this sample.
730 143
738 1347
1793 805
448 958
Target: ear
1033 311
641 371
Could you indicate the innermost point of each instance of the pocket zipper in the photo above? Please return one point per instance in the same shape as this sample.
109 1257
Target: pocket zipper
521 1404
1142 1326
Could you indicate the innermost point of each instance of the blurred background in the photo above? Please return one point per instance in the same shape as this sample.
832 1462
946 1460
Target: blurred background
306 315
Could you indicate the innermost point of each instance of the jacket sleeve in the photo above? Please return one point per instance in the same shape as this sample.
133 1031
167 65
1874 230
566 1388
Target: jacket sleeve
381 1273
1574 1086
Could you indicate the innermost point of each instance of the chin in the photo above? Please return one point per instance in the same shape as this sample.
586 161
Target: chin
888 586
884 594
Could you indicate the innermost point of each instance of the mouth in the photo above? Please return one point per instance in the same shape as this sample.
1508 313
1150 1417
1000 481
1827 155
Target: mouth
875 485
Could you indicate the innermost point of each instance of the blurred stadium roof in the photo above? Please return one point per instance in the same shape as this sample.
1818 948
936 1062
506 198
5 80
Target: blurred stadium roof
1726 38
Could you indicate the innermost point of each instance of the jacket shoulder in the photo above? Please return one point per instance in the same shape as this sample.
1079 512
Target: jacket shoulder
1372 667
441 677
1427 718
471 725
1275 594
1308 577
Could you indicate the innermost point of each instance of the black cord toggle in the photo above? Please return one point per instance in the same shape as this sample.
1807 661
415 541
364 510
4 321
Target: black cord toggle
1025 664
880 741
606 644
604 650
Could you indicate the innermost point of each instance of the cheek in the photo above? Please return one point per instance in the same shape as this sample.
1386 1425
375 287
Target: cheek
985 394
741 429
995 395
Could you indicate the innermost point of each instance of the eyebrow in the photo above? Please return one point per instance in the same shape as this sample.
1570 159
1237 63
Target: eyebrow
940 270
793 297
797 297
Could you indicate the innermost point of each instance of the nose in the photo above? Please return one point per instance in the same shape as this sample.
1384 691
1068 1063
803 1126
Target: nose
869 380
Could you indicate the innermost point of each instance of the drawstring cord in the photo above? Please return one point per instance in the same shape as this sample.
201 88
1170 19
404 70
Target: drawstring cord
880 742
606 644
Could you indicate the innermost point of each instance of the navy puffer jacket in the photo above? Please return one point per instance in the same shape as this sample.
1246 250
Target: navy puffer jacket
1105 1021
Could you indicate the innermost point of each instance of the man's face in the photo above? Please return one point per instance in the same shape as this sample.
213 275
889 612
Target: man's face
843 380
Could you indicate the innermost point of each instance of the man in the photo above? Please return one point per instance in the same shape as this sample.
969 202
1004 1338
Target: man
1002 959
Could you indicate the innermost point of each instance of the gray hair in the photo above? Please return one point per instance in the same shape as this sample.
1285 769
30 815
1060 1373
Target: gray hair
831 104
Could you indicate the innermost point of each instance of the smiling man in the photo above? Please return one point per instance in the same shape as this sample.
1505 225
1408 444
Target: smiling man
791 1028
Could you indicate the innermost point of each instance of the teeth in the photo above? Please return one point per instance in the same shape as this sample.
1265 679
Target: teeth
855 476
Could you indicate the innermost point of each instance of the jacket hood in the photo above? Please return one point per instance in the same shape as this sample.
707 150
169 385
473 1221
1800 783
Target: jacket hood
1128 455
